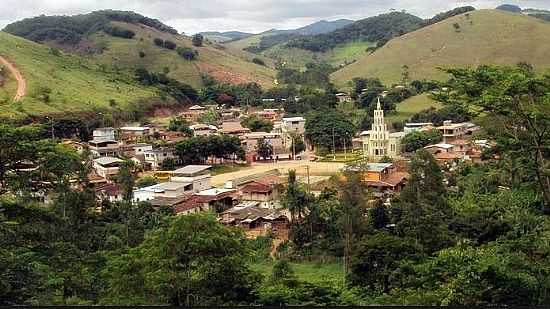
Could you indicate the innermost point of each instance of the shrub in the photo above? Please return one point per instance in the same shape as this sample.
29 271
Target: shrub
187 53
170 45
159 42
119 32
258 61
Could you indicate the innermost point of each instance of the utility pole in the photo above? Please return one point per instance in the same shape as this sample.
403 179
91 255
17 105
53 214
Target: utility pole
333 145
345 152
294 147
51 127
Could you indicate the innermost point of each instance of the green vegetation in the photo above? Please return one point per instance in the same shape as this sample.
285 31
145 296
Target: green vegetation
408 108
504 43
420 139
311 272
256 124
70 82
380 29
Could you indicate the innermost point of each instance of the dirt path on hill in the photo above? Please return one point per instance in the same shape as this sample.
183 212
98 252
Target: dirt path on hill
21 82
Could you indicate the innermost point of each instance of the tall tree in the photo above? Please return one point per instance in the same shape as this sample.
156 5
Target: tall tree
518 105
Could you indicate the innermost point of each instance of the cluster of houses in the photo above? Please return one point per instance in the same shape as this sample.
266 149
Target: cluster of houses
457 144
253 201
188 189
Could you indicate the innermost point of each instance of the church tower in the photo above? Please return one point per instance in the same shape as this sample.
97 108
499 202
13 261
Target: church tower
379 133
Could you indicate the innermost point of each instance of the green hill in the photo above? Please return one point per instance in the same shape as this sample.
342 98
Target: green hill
126 39
223 63
471 39
59 82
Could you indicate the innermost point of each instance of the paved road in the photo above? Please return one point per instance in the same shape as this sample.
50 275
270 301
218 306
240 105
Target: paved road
315 169
21 82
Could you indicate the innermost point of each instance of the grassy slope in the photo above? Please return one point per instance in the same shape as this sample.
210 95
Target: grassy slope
298 58
411 106
228 65
487 37
307 271
76 83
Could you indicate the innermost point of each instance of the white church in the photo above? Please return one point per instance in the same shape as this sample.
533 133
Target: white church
379 142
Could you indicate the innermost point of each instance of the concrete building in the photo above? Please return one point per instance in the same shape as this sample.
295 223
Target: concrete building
203 129
99 149
250 142
104 134
155 158
379 142
292 126
163 190
197 175
107 167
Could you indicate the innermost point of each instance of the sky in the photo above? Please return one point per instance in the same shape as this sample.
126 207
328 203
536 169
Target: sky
191 16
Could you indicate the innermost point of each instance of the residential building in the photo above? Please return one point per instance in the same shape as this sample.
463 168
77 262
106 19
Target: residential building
268 115
203 129
233 128
294 126
384 177
417 126
104 148
136 149
265 191
452 131
193 114
250 142
109 192
104 134
135 134
253 218
171 137
379 142
197 175
215 200
343 97
163 190
156 157
107 167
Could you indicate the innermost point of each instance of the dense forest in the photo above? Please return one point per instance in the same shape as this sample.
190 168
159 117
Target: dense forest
71 30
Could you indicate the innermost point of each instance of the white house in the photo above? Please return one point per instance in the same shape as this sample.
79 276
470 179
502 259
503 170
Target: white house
107 167
163 190
104 134
156 157
292 126
197 175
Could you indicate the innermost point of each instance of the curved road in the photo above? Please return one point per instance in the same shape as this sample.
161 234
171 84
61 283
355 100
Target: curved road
21 82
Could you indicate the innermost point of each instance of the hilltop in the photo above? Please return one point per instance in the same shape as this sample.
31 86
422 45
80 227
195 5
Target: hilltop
271 38
471 39
126 40
222 37
57 82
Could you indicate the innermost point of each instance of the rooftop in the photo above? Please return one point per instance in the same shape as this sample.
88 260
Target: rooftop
293 119
107 160
441 145
192 169
214 192
134 128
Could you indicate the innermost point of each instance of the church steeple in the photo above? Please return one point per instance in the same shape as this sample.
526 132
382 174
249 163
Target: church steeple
378 105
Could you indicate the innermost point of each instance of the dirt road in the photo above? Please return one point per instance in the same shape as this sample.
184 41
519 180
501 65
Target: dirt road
21 82
315 169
